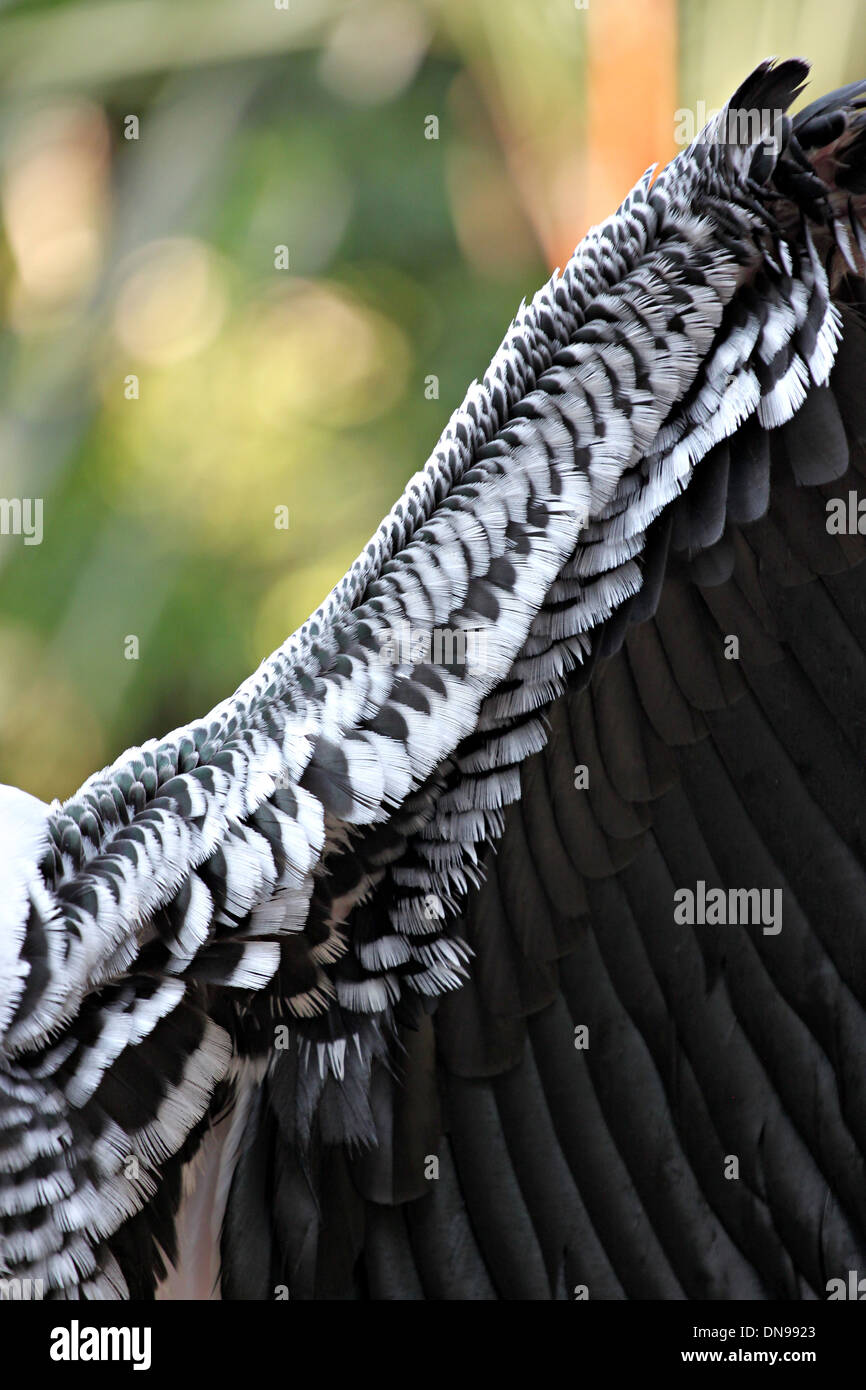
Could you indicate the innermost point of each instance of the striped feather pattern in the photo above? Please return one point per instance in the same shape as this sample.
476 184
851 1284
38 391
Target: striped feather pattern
317 853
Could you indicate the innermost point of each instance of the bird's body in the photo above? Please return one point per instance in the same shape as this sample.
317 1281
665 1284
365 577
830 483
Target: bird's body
292 914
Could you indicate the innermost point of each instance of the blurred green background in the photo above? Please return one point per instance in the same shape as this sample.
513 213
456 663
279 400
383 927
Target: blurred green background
306 126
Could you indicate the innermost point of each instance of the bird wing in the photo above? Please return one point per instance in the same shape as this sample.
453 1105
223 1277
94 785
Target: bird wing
373 867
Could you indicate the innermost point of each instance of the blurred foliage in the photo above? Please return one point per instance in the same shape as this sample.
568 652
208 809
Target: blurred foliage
262 388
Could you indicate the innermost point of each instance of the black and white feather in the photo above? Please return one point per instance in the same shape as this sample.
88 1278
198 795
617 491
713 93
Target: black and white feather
350 920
